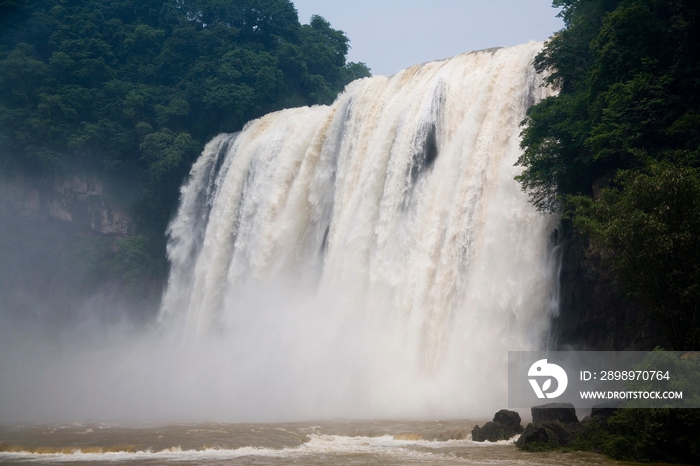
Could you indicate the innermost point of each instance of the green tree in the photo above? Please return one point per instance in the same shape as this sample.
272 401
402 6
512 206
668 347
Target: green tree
618 148
649 229
133 90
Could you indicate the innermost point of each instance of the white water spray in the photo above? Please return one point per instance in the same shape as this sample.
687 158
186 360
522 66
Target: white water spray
374 257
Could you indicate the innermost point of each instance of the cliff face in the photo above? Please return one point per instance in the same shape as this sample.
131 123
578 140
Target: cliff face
79 199
65 244
593 314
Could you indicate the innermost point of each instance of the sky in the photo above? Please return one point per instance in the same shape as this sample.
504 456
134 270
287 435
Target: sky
390 35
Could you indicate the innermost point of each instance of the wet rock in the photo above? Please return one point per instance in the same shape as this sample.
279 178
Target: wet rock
562 412
509 419
505 425
492 432
549 435
533 435
562 435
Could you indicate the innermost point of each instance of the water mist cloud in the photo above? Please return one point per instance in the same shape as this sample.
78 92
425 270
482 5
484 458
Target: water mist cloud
372 258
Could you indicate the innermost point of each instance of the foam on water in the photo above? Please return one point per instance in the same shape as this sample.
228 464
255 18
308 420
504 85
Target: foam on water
317 445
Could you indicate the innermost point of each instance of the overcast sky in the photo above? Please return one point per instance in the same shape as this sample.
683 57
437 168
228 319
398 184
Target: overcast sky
389 35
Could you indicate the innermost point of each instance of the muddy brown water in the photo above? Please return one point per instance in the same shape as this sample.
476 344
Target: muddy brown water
303 443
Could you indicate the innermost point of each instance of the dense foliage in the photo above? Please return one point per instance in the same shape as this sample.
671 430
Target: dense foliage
659 434
644 435
619 148
133 89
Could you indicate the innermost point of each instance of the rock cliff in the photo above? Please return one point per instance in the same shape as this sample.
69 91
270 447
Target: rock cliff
78 199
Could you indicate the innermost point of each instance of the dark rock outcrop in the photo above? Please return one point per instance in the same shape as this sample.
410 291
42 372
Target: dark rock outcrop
491 432
549 433
533 435
510 419
562 435
553 425
505 425
562 412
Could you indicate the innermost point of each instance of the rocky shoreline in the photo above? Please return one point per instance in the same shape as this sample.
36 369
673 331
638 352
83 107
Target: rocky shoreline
553 425
643 435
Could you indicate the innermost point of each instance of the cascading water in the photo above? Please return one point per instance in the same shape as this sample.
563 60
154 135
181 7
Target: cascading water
374 257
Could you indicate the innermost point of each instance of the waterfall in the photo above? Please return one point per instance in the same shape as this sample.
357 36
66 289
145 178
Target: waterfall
374 257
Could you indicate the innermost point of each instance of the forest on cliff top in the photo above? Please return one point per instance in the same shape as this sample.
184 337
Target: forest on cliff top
132 90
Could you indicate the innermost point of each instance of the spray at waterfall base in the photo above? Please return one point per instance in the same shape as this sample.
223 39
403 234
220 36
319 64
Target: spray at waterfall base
373 258
376 252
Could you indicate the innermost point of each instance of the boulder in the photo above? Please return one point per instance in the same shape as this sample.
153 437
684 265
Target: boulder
492 432
562 435
533 434
509 419
550 434
504 426
562 412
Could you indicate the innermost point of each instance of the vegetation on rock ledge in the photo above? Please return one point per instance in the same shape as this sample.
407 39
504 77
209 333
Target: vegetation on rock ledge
619 148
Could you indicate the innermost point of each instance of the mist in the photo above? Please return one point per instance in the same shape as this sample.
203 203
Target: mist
290 357
369 259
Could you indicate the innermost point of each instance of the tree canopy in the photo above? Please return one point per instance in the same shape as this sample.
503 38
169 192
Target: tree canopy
133 89
136 88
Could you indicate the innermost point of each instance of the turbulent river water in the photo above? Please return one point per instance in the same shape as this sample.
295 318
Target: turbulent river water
317 443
